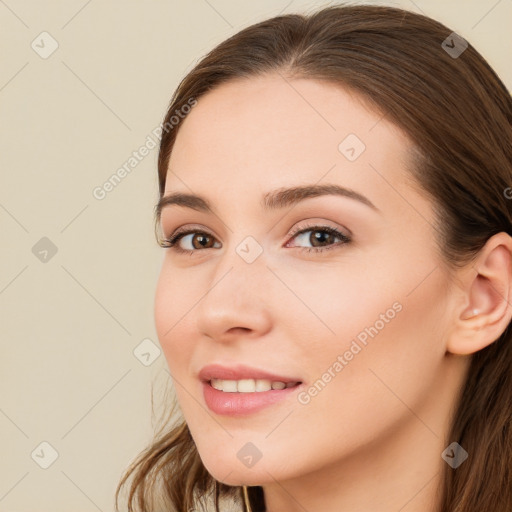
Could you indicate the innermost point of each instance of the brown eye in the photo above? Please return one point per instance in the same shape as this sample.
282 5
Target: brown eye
321 238
202 241
195 239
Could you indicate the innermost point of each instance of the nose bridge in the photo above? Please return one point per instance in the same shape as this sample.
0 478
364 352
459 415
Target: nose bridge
242 269
237 292
244 260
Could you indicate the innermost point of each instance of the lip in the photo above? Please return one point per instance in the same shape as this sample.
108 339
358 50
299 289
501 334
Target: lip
242 404
240 371
238 403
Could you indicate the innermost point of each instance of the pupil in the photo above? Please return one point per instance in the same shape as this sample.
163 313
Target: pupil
319 235
202 240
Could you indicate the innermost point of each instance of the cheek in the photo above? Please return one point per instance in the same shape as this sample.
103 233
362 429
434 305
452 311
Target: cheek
387 350
332 306
364 325
174 300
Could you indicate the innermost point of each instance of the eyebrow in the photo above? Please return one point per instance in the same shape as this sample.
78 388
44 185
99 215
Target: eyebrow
273 200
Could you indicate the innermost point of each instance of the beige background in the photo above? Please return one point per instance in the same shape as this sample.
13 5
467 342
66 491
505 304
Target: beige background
69 325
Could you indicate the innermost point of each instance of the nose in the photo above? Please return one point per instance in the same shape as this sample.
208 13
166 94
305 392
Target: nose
236 300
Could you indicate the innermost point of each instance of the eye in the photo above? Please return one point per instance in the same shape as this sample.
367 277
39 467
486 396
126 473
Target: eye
321 235
196 239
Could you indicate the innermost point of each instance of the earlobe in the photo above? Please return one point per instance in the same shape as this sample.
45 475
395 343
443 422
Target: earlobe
485 310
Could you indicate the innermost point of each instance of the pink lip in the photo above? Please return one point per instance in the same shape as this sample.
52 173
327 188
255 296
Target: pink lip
239 404
238 372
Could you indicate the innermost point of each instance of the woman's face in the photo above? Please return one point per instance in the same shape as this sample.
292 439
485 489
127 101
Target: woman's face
360 324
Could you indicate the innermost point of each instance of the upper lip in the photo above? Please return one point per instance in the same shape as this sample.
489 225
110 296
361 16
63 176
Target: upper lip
238 372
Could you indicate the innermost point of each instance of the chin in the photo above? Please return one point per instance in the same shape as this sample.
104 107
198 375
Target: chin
231 471
241 477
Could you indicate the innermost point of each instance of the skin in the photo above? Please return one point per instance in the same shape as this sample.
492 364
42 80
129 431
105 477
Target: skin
372 438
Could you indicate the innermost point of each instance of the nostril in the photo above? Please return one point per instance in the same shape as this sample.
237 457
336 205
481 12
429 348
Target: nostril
234 330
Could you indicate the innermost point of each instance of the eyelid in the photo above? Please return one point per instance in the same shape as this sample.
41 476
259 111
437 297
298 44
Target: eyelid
308 224
172 241
188 228
319 224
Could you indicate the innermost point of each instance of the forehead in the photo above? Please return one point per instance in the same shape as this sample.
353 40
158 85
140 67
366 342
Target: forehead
265 132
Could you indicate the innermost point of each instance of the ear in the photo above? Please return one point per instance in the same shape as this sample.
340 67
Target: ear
484 309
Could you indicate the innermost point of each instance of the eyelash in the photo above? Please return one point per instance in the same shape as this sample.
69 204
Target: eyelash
172 242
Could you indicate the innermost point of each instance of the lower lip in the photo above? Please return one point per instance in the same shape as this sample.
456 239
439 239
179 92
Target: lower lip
236 404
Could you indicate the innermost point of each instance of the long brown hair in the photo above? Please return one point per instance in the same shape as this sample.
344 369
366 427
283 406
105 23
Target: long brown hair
419 75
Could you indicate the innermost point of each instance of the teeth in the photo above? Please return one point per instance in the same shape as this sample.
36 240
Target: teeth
263 385
249 385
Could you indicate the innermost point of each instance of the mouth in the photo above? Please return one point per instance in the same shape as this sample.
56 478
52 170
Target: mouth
245 397
250 385
239 390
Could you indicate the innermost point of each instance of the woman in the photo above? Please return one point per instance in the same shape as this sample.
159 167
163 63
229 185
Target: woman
334 299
